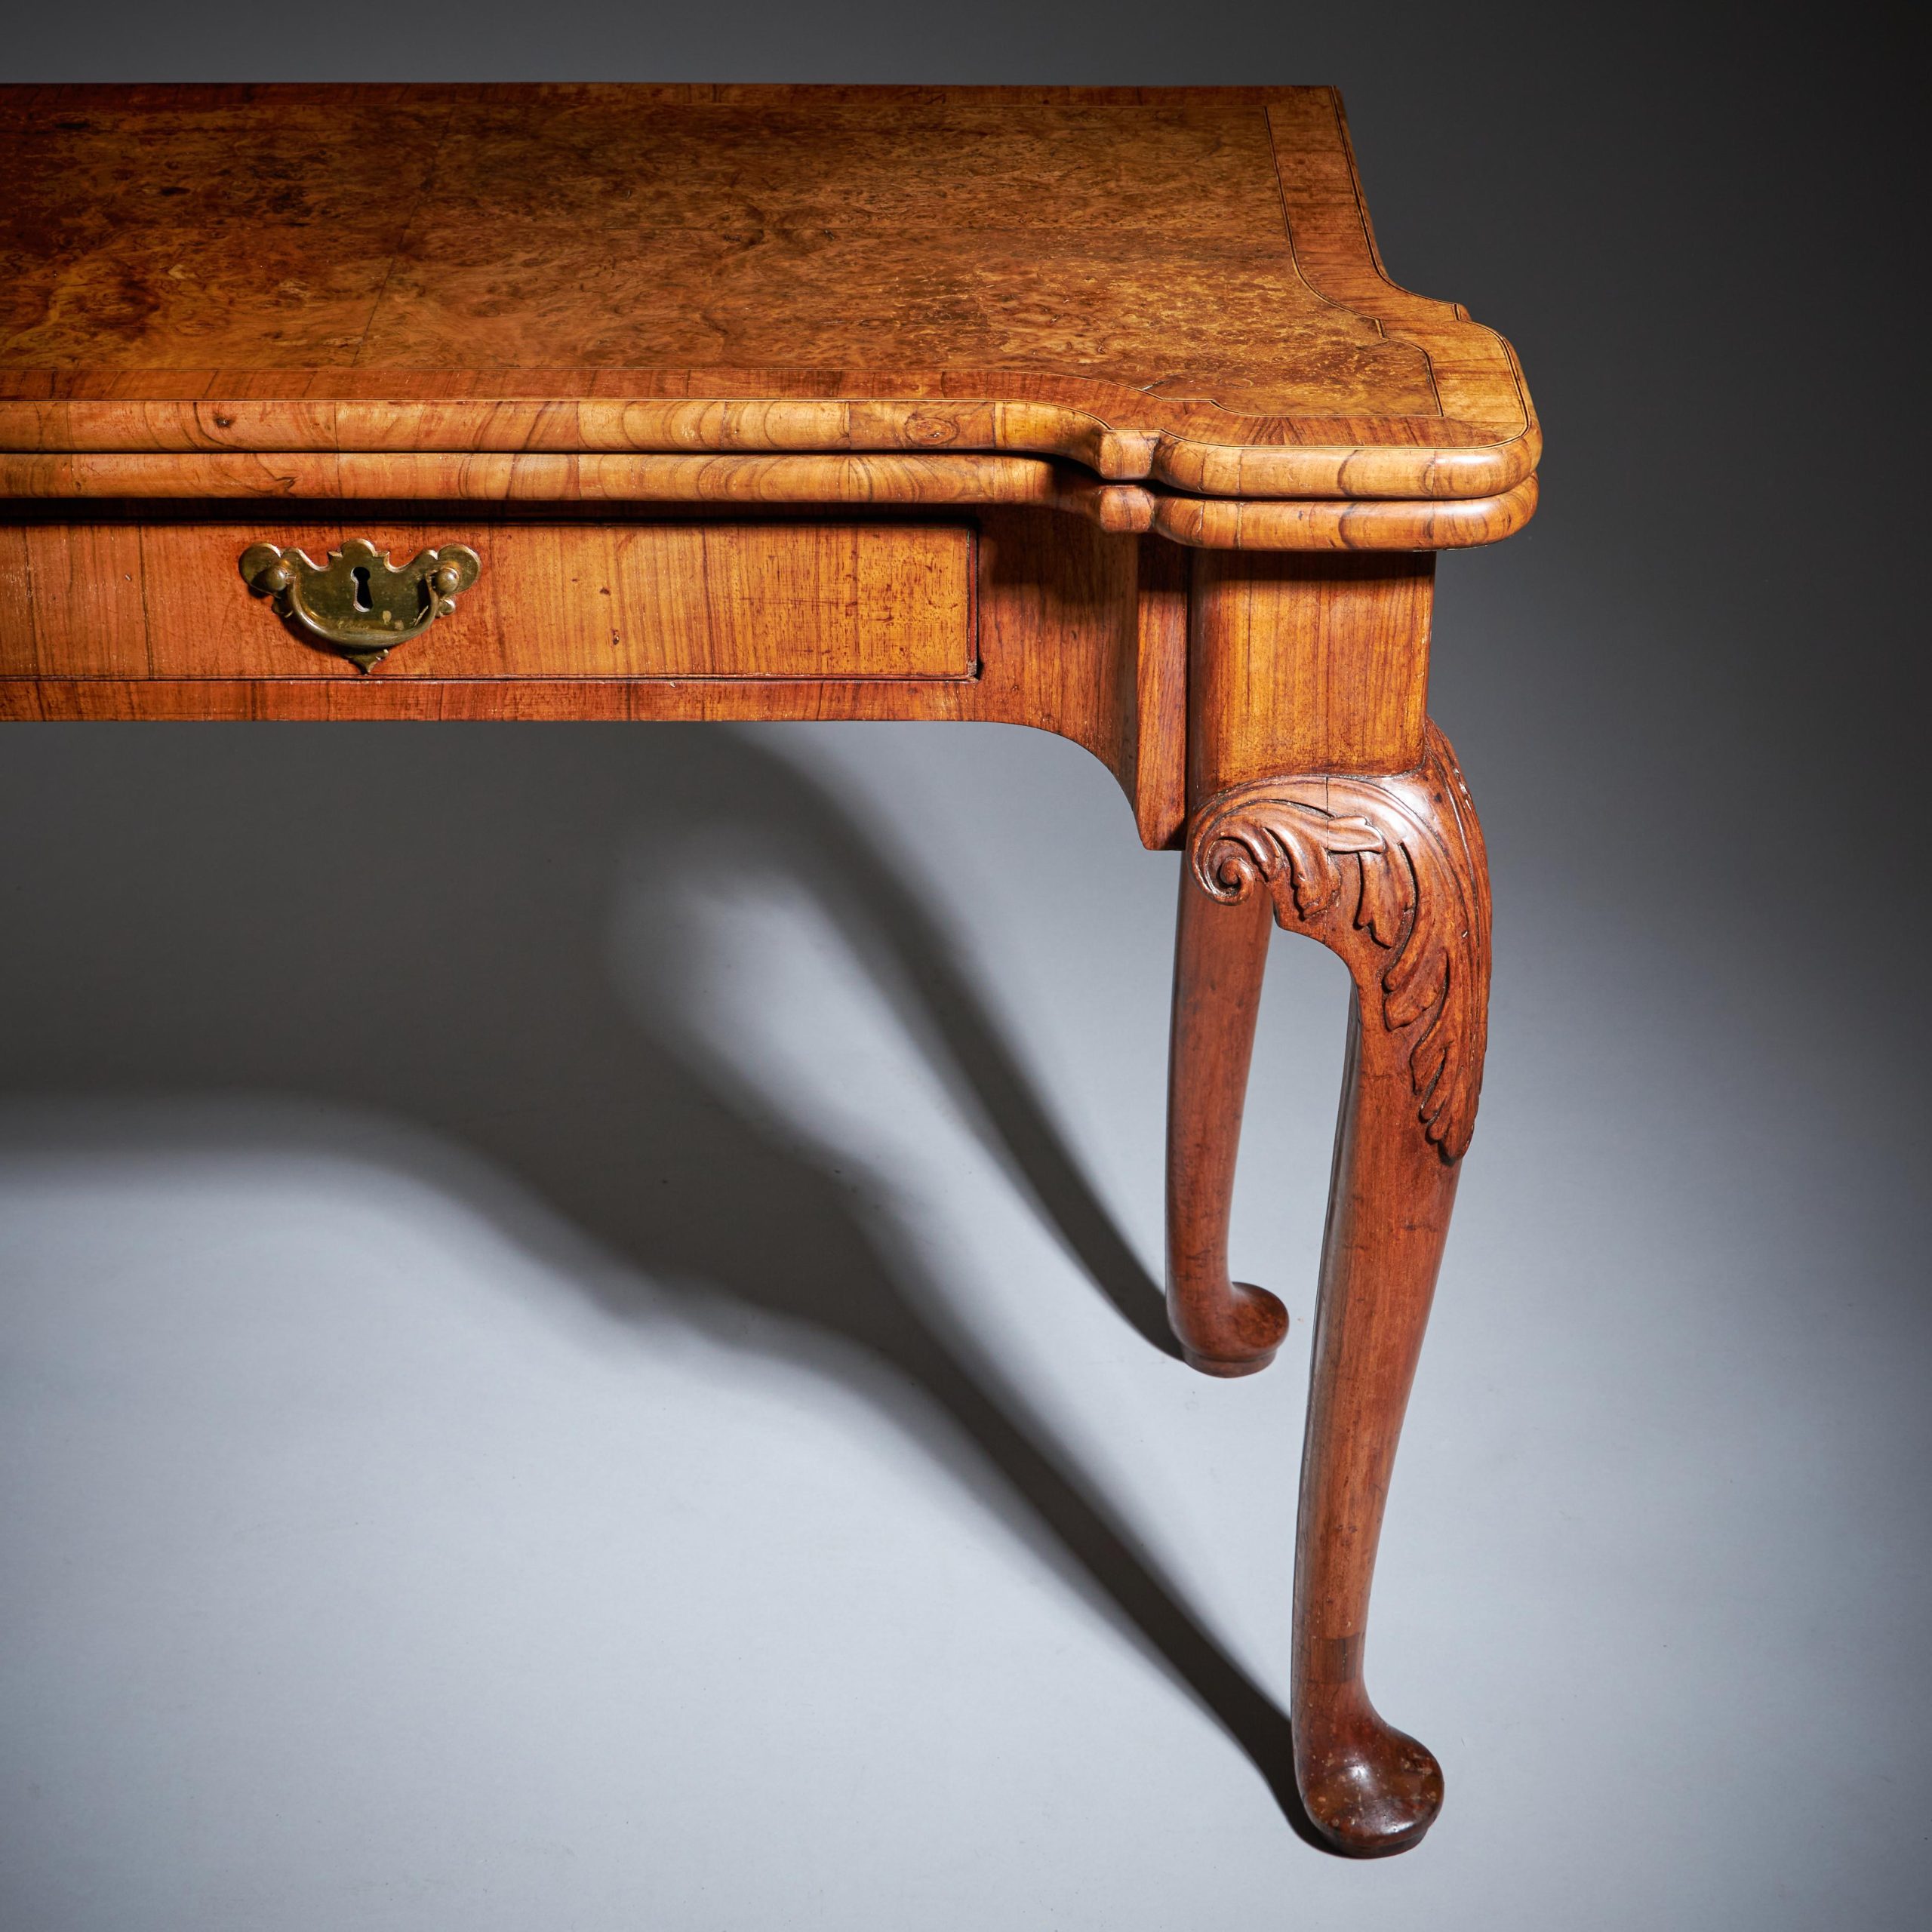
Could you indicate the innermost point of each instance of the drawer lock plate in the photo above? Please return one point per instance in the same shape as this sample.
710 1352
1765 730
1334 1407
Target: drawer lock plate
358 605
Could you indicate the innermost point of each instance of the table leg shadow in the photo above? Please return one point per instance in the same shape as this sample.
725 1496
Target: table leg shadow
210 883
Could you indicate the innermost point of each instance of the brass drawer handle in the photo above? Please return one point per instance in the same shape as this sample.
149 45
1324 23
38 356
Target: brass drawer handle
359 604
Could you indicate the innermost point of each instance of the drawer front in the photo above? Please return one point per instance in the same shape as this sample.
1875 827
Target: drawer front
685 600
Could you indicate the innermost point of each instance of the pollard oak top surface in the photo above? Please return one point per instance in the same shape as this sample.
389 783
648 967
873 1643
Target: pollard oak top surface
1174 283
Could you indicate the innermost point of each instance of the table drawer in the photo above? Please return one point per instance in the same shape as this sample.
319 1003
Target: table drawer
698 599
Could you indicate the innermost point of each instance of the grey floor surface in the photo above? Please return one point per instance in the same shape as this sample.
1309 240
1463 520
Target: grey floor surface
585 1356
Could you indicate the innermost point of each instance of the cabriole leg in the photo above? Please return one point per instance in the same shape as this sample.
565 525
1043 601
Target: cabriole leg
1389 871
1225 1328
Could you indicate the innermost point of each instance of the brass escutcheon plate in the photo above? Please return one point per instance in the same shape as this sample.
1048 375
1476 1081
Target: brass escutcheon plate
359 604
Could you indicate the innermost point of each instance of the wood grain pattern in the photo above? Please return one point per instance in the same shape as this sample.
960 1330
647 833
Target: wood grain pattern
1198 522
1390 873
642 600
1218 523
1160 693
1386 872
1174 283
1307 664
1077 632
1225 1328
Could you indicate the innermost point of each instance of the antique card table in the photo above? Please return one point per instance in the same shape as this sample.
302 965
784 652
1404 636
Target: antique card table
1087 409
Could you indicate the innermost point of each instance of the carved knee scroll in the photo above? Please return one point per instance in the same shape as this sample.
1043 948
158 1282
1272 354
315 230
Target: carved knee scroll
1390 873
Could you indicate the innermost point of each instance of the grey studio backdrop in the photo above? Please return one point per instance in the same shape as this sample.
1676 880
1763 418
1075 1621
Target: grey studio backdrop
580 1329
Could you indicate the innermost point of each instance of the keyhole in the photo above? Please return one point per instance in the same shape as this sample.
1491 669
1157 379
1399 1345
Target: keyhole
361 578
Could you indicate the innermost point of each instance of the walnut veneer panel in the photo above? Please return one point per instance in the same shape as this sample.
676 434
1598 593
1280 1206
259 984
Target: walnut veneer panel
1304 665
640 599
1180 283
1210 523
1075 630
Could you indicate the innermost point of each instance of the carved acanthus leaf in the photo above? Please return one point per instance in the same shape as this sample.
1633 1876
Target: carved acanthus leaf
1390 873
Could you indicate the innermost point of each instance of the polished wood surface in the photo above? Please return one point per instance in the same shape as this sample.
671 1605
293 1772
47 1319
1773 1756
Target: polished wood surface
1180 283
1307 666
1390 873
712 599
1087 410
1225 1328
1199 522
1075 631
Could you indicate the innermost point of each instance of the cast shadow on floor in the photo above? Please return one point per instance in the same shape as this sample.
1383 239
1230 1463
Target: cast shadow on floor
418 926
